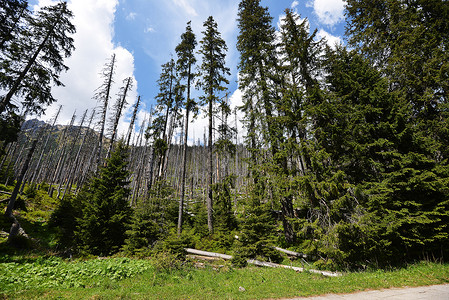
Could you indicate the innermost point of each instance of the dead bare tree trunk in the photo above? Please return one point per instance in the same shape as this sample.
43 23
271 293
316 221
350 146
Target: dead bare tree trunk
87 151
140 167
74 167
118 107
103 95
61 159
9 208
133 120
15 228
44 148
67 170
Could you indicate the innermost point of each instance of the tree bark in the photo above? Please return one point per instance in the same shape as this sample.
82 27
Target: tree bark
184 159
12 200
209 202
38 169
120 105
133 120
105 107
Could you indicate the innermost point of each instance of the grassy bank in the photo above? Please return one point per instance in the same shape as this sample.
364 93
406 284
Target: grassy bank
126 278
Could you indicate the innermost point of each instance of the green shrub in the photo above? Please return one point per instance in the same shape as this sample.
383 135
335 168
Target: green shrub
30 191
5 188
64 220
44 187
257 235
167 261
239 261
175 245
143 232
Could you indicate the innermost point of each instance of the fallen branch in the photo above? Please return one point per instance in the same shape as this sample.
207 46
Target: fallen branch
292 253
206 253
260 263
297 269
202 257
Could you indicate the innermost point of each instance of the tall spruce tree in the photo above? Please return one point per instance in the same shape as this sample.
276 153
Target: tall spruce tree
186 60
355 133
258 69
255 44
38 59
408 42
300 60
166 107
12 13
213 71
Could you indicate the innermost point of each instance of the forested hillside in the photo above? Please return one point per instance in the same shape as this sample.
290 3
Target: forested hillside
344 155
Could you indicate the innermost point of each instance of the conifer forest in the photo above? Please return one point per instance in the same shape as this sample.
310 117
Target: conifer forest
340 153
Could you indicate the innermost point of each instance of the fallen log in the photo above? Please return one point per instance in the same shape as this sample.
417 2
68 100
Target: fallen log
202 257
297 269
292 253
261 263
206 253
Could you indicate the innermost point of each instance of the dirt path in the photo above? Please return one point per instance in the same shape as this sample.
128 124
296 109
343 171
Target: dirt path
433 292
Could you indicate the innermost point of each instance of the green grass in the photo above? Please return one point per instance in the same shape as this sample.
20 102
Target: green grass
113 278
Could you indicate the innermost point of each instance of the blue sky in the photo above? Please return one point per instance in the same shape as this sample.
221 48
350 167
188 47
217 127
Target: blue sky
144 34
151 30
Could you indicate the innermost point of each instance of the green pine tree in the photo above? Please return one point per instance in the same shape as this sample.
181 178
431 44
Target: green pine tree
106 213
167 105
408 42
35 61
186 60
12 14
214 72
258 67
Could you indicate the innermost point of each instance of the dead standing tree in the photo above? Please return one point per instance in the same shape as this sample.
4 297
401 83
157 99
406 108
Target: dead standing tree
103 95
74 169
133 120
15 228
38 168
61 156
65 169
117 113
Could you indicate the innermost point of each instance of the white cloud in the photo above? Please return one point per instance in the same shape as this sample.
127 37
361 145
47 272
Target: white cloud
331 39
294 4
149 29
185 6
131 16
93 42
329 12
